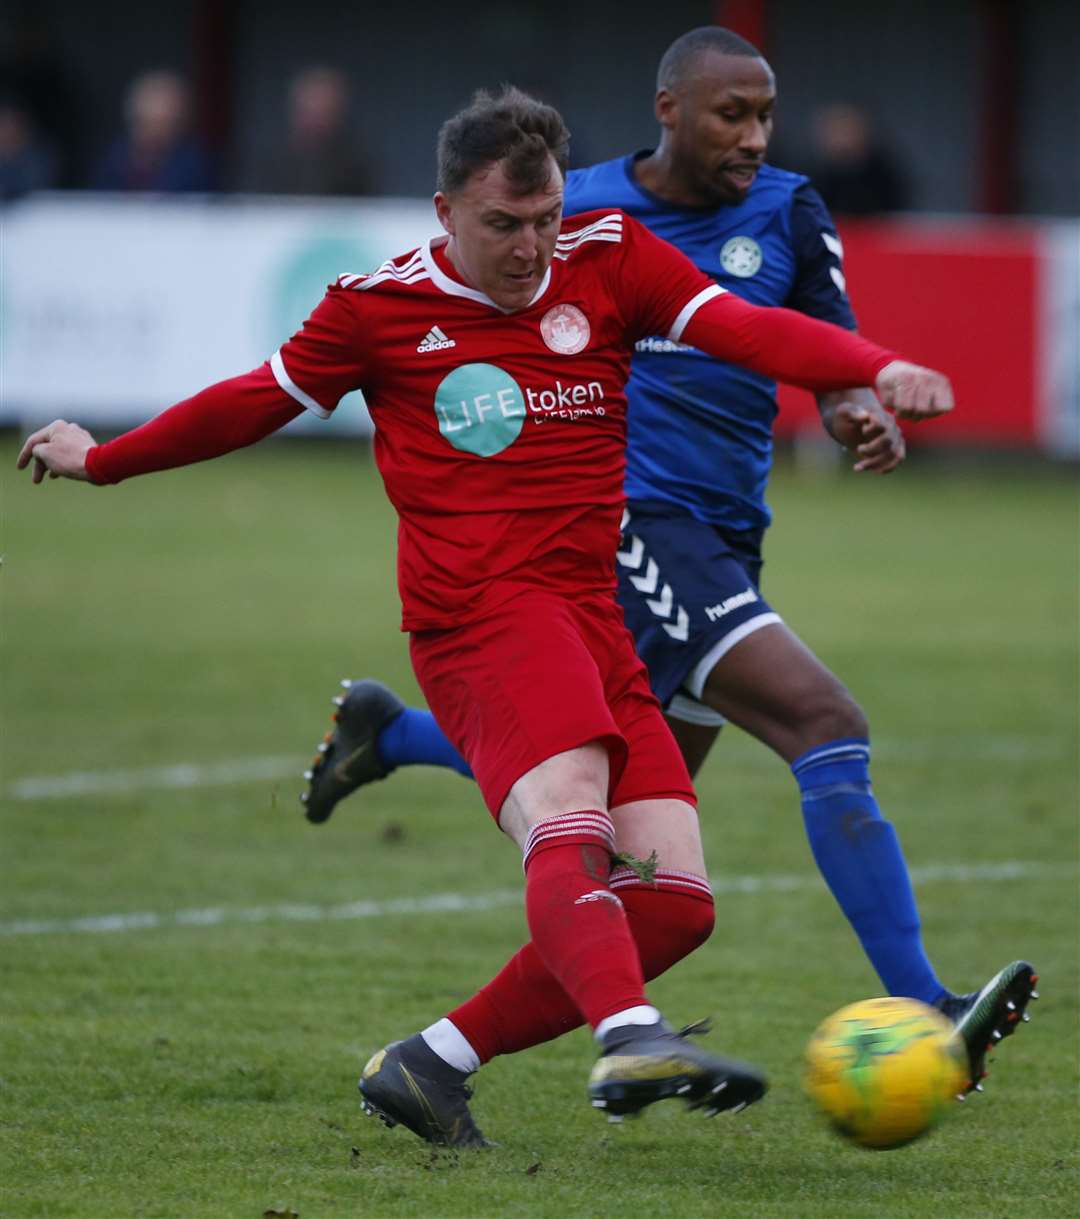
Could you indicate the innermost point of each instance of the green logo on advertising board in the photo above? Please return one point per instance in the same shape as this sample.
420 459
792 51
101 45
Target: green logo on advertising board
301 277
298 285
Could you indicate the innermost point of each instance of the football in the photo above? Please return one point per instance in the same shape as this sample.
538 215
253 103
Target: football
884 1071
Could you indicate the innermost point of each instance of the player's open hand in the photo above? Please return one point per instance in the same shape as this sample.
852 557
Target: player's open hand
59 449
856 420
912 391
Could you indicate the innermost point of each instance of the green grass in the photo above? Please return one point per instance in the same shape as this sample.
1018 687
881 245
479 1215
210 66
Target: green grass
188 1069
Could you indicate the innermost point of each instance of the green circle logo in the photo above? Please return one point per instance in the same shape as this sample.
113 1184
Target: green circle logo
741 256
300 278
297 285
480 409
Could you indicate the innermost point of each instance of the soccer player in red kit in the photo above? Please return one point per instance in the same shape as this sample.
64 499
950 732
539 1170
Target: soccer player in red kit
493 361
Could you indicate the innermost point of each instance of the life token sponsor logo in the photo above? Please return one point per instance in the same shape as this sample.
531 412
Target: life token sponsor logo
741 256
562 401
565 329
435 340
481 409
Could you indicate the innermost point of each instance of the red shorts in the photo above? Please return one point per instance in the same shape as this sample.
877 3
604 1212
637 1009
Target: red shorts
541 675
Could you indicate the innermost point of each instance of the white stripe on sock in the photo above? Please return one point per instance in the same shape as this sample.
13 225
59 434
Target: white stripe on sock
663 878
596 825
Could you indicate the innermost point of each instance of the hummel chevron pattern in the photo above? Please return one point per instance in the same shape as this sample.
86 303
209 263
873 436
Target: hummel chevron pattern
634 557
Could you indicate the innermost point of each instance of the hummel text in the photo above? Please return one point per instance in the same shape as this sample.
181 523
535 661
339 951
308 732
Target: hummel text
712 612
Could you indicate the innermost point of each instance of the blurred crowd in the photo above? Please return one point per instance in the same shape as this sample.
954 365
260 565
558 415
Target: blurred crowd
318 148
158 148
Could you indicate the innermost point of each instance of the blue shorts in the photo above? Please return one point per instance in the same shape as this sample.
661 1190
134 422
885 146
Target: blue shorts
689 593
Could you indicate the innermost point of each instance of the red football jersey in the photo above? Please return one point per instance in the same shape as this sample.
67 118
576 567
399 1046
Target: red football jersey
500 436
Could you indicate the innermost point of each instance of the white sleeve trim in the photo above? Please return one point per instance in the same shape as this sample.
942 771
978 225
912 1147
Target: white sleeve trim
690 308
277 367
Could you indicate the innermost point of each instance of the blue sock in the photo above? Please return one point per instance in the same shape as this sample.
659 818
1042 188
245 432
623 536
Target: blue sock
859 856
414 738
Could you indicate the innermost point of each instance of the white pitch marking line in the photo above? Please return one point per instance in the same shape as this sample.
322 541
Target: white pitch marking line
461 903
216 916
182 775
245 770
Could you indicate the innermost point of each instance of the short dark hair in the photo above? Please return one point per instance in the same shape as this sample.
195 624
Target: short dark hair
508 126
686 48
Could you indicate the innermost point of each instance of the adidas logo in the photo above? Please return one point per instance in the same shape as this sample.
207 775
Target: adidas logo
435 340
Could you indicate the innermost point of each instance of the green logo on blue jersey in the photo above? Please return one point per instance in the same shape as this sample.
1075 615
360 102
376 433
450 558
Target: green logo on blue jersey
480 409
741 256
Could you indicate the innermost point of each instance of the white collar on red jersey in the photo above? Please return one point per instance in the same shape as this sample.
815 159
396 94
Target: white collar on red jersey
454 288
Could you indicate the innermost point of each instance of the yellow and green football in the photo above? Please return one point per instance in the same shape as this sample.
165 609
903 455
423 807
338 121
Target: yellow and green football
884 1071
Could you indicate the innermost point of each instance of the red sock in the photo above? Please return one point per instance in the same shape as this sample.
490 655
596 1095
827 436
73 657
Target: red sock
578 925
669 917
524 1005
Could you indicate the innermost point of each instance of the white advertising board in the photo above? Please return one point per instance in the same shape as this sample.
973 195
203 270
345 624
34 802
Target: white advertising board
1059 423
113 308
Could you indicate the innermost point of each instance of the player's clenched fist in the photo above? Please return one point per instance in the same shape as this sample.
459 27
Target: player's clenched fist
912 391
58 449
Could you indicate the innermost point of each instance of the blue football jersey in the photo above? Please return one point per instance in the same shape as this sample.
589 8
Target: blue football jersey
700 431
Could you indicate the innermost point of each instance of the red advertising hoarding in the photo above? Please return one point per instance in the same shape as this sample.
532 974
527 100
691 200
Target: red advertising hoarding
961 296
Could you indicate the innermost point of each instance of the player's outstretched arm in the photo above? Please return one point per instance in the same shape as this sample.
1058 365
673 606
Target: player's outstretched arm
219 419
855 419
789 346
59 449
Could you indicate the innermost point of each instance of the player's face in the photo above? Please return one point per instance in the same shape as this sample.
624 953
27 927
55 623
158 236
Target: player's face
502 242
719 122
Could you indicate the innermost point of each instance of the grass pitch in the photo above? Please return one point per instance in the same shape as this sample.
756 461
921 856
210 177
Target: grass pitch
192 976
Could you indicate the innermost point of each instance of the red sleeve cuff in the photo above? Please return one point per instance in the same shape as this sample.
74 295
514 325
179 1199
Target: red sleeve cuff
93 467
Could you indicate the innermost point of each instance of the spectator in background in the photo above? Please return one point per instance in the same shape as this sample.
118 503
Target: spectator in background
27 162
582 124
319 155
44 88
157 152
854 173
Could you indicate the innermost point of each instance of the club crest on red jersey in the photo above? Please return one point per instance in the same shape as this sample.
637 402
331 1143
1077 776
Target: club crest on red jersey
565 329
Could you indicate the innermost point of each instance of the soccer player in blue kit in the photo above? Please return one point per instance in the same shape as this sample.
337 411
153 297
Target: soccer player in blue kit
698 461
